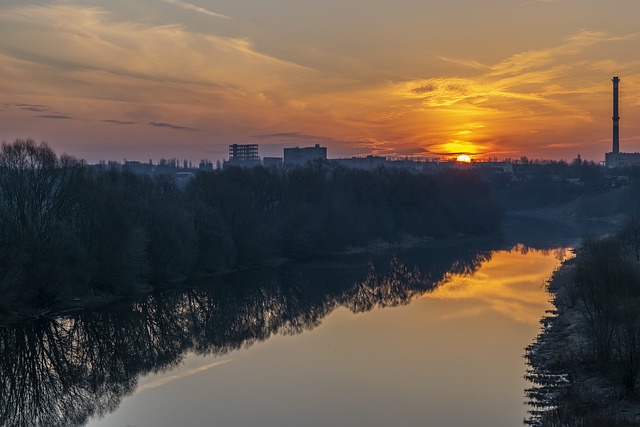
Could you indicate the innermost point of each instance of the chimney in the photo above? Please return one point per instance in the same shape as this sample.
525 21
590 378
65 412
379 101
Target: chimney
616 117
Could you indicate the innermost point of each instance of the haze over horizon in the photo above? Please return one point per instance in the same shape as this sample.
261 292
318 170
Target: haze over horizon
162 78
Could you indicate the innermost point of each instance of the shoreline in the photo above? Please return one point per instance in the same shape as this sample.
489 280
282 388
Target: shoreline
566 391
77 304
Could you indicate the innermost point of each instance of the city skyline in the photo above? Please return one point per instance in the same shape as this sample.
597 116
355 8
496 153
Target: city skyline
165 78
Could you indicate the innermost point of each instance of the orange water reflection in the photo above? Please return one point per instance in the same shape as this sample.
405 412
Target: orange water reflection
448 359
509 284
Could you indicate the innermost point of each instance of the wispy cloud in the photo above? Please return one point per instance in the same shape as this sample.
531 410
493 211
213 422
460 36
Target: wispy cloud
532 75
195 8
470 63
99 52
562 145
118 122
537 59
169 126
290 136
55 116
447 91
35 108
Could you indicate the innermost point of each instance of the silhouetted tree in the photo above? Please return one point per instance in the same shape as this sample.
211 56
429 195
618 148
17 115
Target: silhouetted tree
69 230
630 234
607 286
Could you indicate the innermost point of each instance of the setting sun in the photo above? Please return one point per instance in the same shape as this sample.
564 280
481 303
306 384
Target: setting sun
463 158
224 72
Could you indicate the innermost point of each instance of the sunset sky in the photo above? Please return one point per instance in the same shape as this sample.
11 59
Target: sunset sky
140 79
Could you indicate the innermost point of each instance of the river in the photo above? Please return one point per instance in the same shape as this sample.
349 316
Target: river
417 336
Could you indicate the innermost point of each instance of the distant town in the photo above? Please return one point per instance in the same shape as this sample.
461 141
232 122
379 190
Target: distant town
522 169
248 156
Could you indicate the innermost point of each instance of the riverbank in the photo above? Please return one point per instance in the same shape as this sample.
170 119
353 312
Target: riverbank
569 390
107 231
307 317
517 228
99 299
64 307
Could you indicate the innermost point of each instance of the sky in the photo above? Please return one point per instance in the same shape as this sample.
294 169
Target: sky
144 79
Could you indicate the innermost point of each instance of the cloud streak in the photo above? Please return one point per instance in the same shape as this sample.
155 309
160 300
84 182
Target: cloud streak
118 122
35 108
195 8
56 117
98 48
523 70
520 76
290 136
169 126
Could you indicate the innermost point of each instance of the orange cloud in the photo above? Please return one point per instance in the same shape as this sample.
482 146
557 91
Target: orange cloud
534 89
228 89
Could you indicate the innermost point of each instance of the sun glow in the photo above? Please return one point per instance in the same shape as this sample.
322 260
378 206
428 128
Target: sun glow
463 158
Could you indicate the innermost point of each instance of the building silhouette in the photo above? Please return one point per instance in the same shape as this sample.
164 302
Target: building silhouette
615 158
301 156
272 162
367 162
243 155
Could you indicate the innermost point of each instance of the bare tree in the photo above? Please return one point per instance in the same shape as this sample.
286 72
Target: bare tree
35 186
630 234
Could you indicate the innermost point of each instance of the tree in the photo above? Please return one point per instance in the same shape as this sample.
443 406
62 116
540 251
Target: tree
38 208
35 186
607 287
630 234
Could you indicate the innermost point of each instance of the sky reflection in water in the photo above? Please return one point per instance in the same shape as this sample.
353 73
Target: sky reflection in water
450 358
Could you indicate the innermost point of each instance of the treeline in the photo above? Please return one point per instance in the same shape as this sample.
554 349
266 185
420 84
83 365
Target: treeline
69 230
606 291
594 343
546 182
579 189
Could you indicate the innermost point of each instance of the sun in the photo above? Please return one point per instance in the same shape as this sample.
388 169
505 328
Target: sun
463 158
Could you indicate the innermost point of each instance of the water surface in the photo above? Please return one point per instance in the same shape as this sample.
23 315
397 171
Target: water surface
412 337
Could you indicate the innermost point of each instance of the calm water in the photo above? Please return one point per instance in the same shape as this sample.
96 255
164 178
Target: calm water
416 337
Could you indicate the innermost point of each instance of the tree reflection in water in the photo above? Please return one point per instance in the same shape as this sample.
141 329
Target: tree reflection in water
63 371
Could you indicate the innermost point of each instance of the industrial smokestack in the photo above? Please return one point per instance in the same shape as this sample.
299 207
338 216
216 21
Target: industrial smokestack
616 117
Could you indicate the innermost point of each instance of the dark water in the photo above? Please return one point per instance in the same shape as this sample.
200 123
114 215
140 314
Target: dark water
305 344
